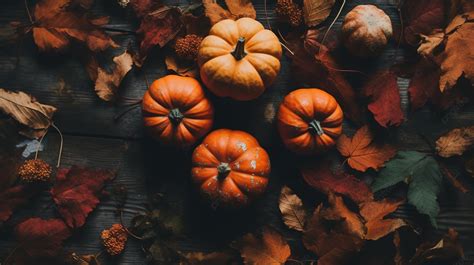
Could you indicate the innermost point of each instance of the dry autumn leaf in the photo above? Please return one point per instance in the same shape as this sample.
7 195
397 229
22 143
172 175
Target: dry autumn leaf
76 192
362 153
385 102
159 25
180 67
57 25
42 238
271 248
321 177
237 9
374 213
335 233
456 60
107 84
27 111
456 142
291 208
429 43
421 17
316 11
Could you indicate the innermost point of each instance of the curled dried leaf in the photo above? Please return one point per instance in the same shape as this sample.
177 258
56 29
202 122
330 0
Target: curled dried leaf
455 142
291 208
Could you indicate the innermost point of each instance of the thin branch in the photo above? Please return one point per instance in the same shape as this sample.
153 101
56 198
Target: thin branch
10 255
126 229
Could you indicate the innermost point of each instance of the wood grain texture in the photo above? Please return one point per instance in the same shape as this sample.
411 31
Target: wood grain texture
93 138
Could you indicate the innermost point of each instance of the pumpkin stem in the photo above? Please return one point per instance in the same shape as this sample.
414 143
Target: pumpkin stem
175 116
239 51
223 170
315 127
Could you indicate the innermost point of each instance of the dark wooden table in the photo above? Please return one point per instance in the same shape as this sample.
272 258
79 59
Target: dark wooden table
93 138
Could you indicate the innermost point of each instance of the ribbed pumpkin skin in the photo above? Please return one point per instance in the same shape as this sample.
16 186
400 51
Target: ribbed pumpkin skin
366 30
246 175
298 110
245 78
186 95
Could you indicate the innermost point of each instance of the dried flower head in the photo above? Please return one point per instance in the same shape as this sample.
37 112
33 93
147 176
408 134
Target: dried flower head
114 239
187 47
35 170
289 11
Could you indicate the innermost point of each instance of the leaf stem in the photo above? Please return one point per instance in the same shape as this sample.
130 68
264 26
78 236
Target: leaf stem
332 23
28 11
58 163
10 255
126 229
39 144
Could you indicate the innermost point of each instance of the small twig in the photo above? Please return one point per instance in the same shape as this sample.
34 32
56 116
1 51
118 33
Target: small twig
58 163
28 12
288 49
119 30
10 255
453 179
332 24
126 229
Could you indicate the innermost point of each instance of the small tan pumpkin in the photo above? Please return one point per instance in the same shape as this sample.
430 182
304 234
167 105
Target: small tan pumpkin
366 30
309 121
230 168
176 111
239 59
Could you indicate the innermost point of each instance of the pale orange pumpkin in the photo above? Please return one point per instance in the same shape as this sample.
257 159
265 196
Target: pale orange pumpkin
239 59
230 168
309 121
366 30
176 111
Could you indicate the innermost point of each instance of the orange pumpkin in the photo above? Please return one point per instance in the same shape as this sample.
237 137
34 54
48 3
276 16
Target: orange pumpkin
176 111
230 168
366 30
239 59
309 121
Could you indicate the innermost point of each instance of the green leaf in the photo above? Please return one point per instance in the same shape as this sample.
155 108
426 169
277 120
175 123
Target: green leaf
423 176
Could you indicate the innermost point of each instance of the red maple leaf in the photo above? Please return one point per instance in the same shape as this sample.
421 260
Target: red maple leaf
41 238
312 65
12 198
321 177
76 194
159 25
385 102
422 17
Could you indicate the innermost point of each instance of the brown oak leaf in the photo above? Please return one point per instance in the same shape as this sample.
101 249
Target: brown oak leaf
316 11
361 151
421 17
158 26
455 142
237 9
457 59
291 208
320 176
76 193
374 213
57 24
271 248
335 233
42 238
312 65
385 101
107 84
27 111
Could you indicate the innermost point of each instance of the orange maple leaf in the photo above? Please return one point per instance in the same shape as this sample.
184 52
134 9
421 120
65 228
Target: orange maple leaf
362 153
374 213
57 23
